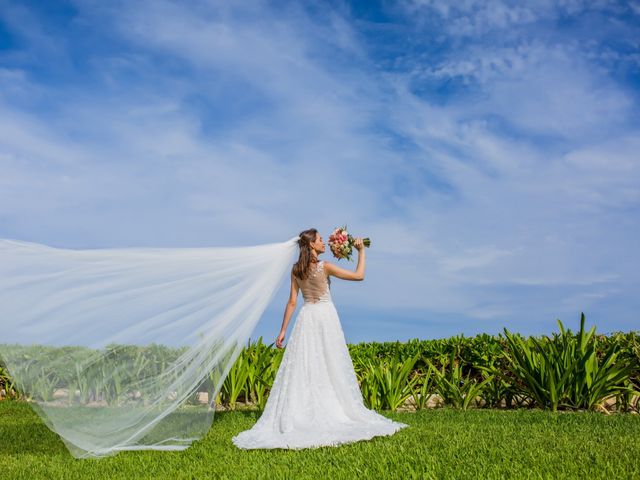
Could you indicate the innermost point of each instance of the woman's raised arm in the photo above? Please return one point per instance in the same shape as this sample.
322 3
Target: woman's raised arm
345 274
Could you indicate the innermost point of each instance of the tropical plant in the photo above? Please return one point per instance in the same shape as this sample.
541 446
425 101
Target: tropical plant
455 389
423 390
389 383
235 383
264 361
564 371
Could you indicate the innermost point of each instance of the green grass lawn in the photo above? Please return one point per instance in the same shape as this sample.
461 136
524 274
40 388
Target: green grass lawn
439 443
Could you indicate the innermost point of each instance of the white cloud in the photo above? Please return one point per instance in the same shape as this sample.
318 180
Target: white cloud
211 124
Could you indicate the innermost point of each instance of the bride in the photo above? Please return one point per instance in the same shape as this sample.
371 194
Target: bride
315 399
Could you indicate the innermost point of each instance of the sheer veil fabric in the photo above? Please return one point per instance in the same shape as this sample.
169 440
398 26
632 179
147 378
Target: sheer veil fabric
112 346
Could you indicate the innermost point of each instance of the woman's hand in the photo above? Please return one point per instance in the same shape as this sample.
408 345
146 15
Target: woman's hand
280 339
358 244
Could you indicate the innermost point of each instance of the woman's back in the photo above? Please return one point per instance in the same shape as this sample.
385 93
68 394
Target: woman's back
315 288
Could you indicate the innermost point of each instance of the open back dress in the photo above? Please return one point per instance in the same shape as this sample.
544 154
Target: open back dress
315 399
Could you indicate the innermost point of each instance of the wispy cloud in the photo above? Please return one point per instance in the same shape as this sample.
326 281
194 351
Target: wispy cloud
489 149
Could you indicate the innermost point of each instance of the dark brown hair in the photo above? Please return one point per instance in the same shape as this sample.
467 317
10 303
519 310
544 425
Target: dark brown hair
302 267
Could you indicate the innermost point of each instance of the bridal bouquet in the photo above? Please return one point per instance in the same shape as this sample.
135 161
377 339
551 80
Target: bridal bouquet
341 243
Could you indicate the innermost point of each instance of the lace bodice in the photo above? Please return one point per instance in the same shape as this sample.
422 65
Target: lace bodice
316 287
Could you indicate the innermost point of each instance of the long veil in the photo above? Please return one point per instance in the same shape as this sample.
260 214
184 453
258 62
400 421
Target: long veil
114 346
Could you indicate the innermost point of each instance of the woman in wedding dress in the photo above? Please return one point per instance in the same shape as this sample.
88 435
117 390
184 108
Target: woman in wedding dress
315 399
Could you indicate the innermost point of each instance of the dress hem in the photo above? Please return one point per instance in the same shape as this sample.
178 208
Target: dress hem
336 443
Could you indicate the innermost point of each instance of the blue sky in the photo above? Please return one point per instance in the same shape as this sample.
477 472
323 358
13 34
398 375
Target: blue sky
488 148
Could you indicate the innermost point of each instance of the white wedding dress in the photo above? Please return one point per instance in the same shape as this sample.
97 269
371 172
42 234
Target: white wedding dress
315 399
